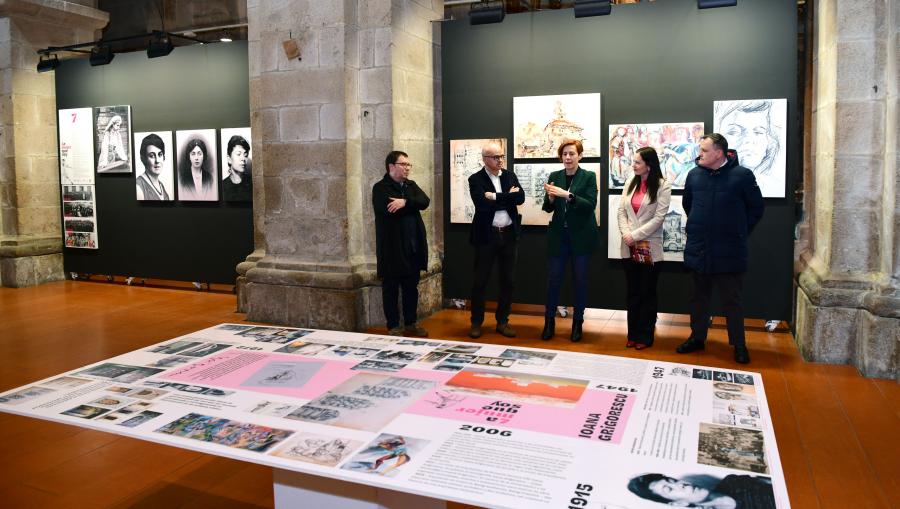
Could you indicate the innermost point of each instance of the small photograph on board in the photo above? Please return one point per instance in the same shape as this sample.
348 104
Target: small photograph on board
319 449
385 455
729 447
112 135
197 162
154 180
237 181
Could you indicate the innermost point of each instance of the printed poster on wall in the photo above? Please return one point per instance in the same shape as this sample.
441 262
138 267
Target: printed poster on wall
465 159
237 162
154 180
79 217
757 130
76 148
112 134
196 170
541 122
488 425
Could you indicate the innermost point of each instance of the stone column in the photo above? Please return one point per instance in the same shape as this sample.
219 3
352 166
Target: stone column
848 298
30 236
322 126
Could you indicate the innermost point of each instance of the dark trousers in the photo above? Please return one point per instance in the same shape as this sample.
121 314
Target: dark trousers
641 300
391 288
730 286
503 249
556 268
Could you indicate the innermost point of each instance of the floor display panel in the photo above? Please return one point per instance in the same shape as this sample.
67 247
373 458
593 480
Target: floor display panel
375 421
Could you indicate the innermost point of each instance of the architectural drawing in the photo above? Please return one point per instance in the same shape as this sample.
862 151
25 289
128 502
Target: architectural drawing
541 122
756 129
674 236
677 145
533 177
465 159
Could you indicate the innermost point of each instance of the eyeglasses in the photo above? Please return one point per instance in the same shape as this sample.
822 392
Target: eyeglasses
496 158
405 165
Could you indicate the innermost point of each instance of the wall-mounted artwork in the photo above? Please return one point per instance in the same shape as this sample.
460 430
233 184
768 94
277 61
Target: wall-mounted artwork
76 147
542 122
674 236
79 217
465 159
757 130
533 176
237 181
112 133
154 181
197 162
677 144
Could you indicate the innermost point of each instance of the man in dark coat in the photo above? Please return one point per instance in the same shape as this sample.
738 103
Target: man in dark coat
495 192
400 245
723 204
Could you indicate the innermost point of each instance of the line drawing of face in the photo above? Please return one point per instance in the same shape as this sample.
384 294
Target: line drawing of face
747 126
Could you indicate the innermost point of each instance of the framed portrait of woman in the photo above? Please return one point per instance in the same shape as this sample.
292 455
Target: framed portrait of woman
112 138
196 166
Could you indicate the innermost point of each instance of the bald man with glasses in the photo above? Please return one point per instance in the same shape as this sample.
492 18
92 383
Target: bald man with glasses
496 193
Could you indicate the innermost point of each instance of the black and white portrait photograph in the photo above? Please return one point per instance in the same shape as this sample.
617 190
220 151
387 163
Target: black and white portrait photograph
197 174
112 135
154 180
237 181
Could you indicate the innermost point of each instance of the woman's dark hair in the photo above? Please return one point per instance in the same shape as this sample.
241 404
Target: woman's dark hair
651 159
640 486
184 164
150 139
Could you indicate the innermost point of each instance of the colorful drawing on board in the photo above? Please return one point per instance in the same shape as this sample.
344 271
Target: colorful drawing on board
542 122
386 454
524 387
676 144
216 430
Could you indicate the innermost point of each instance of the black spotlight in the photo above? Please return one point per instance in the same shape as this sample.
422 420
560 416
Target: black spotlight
709 4
160 46
588 8
486 12
101 55
47 63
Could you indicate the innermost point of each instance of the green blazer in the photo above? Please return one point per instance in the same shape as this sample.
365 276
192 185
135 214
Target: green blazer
579 214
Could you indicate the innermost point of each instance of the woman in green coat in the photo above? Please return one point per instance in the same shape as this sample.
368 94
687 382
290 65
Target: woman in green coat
571 195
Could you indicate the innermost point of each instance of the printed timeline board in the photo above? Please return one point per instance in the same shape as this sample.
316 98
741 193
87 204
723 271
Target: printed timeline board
488 425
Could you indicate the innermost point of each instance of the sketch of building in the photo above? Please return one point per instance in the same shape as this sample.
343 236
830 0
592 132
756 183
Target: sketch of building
542 122
465 159
677 144
532 177
756 129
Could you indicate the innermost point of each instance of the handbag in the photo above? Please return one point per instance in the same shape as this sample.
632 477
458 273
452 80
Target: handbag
640 252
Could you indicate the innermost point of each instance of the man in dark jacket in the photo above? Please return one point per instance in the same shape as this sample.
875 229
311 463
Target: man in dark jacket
495 192
723 205
400 245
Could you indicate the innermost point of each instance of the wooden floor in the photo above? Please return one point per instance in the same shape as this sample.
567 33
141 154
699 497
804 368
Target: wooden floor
838 433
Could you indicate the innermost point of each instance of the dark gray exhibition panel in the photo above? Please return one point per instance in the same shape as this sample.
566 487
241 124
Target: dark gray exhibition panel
195 87
665 61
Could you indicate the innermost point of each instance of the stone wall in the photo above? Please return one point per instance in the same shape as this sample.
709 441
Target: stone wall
848 301
30 236
325 124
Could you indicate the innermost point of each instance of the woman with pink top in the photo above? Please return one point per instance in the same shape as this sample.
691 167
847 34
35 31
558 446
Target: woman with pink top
642 210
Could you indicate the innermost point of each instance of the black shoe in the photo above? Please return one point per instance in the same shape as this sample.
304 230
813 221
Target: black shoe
506 330
576 330
741 355
691 345
549 328
475 331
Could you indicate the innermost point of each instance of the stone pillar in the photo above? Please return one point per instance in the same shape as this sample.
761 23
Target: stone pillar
322 127
30 230
848 298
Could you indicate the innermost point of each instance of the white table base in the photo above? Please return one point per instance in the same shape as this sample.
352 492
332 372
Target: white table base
294 490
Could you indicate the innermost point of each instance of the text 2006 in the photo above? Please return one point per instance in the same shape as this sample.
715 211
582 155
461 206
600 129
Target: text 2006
582 492
489 431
